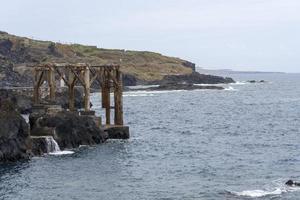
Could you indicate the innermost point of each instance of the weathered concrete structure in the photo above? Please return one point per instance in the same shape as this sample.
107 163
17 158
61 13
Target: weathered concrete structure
107 78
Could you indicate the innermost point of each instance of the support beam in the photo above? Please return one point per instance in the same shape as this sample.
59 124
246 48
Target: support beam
87 88
38 81
118 98
71 85
106 96
36 87
51 83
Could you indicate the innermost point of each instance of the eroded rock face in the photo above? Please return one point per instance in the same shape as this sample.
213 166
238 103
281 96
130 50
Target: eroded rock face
21 102
69 129
14 134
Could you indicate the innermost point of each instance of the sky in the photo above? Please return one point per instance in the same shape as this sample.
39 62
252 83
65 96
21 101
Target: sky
247 35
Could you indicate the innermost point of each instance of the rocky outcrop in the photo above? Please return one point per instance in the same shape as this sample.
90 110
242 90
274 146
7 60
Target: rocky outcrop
14 134
129 80
183 87
193 78
254 81
189 65
70 130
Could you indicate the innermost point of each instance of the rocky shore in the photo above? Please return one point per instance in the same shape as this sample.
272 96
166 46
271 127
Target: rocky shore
50 128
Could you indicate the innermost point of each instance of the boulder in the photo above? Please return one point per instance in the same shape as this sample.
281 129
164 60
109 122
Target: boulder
69 129
14 134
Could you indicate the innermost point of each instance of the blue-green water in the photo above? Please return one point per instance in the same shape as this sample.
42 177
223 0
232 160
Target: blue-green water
241 143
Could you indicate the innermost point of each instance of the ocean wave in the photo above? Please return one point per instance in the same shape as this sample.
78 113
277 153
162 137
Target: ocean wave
240 83
265 192
205 84
259 193
149 93
138 95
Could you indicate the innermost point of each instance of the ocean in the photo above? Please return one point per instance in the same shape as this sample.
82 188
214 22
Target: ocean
239 143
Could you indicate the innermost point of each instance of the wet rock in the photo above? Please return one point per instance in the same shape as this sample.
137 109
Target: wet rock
254 81
39 145
14 134
117 132
43 145
292 183
70 130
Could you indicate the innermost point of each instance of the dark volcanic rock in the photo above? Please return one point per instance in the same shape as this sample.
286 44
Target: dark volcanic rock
14 134
190 65
254 81
39 145
22 102
129 80
193 78
70 129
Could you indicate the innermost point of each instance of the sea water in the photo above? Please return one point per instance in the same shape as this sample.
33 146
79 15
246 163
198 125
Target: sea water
239 143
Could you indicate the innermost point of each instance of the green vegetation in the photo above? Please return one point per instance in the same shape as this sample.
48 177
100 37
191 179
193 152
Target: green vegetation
142 64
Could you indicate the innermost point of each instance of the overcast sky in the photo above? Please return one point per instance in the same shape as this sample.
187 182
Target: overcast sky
215 34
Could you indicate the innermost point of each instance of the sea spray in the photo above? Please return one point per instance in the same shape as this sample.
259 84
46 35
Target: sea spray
53 147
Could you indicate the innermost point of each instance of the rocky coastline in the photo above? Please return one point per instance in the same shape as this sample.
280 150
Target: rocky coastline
49 125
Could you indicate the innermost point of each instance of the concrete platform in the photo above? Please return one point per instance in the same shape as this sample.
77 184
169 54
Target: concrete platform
116 131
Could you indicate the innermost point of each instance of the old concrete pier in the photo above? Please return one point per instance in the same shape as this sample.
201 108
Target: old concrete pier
107 78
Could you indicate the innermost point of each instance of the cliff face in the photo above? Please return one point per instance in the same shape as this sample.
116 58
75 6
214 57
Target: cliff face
16 52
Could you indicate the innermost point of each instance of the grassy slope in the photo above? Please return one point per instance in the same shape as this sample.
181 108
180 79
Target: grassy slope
144 65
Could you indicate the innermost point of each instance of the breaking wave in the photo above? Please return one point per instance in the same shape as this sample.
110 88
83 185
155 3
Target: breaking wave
230 89
275 191
258 193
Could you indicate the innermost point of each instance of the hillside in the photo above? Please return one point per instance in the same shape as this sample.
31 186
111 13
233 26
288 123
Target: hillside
145 66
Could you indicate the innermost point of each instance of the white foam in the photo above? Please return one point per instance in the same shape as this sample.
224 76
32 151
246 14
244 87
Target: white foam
53 148
259 193
142 86
58 153
240 83
205 84
149 93
138 95
262 193
26 117
230 89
